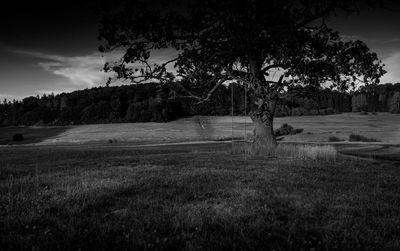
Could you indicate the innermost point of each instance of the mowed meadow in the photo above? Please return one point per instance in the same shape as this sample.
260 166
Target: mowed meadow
196 197
384 127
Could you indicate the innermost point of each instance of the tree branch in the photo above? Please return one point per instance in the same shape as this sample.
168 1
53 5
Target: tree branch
211 92
314 17
269 67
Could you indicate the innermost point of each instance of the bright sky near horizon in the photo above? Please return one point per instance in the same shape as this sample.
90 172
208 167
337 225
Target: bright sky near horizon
51 47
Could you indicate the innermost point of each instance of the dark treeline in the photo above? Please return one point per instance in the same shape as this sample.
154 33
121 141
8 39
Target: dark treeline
148 103
380 98
140 103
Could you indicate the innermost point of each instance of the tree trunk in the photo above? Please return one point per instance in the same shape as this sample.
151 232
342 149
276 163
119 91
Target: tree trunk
263 114
264 138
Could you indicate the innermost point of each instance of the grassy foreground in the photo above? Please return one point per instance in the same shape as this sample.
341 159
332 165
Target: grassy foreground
194 198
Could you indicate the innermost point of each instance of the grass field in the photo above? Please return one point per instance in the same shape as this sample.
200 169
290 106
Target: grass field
31 134
195 197
384 127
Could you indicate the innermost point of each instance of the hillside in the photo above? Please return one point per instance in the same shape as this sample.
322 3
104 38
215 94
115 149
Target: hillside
383 127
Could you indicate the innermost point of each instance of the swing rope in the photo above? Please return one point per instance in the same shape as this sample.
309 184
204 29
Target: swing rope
245 120
245 112
245 115
232 114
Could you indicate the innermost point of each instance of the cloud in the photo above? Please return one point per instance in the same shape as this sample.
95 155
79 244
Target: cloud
81 71
358 37
392 40
87 70
392 66
369 40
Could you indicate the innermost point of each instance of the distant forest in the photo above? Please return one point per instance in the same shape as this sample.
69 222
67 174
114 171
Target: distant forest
147 103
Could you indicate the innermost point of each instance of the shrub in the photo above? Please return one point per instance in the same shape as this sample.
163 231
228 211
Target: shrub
335 139
18 137
363 113
286 129
360 138
313 112
297 131
299 111
330 111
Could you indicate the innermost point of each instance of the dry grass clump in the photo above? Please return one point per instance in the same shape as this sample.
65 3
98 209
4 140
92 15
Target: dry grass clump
297 152
307 152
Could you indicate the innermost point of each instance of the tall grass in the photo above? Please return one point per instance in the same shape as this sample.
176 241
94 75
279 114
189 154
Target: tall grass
297 152
307 152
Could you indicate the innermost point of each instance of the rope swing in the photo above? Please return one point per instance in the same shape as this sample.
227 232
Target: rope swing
245 115
232 115
245 112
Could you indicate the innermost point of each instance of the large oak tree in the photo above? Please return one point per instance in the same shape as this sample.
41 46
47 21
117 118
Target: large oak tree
267 45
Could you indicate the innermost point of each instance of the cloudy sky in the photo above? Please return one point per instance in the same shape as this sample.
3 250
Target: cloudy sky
51 46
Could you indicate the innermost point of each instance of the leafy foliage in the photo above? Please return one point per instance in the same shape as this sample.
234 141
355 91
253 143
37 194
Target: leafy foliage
229 40
97 105
268 46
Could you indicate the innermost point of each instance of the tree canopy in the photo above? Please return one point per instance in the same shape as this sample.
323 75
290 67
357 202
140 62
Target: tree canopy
267 45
